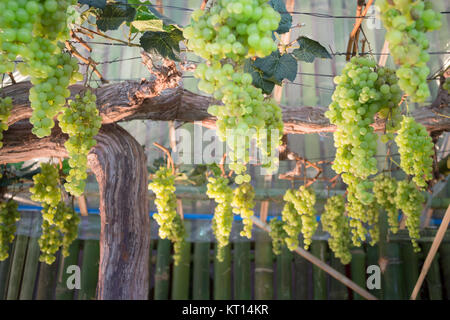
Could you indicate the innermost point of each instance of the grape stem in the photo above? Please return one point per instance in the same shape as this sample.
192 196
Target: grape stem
203 5
169 157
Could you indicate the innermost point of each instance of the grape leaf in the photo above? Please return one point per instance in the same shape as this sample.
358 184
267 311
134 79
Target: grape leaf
277 67
309 50
163 43
259 80
100 4
286 18
114 15
148 25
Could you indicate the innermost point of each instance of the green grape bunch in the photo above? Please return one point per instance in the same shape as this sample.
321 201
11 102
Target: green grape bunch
170 224
410 200
385 190
406 23
5 111
416 150
218 189
303 201
336 223
9 215
81 121
362 91
243 204
278 235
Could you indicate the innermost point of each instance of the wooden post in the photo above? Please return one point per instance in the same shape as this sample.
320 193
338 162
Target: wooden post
410 266
358 267
17 264
394 284
4 274
181 273
337 290
263 267
433 277
46 280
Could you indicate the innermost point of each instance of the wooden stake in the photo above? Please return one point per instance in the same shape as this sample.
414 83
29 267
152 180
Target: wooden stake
434 247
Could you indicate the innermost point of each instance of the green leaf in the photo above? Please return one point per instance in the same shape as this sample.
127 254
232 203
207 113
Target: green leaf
112 17
286 18
259 80
309 50
148 25
100 4
163 43
277 67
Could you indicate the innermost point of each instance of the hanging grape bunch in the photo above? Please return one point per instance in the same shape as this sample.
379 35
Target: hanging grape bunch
410 200
385 190
171 225
224 35
406 23
243 204
278 235
9 215
336 223
5 112
416 150
80 120
219 190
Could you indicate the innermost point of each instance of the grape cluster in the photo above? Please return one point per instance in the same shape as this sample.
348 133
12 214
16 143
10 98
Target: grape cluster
373 215
407 22
219 190
277 234
416 150
292 224
385 190
9 215
446 85
225 34
80 120
410 200
243 204
5 112
35 31
336 223
303 201
171 225
362 91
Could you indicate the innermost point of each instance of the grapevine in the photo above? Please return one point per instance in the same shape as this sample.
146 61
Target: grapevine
416 150
224 35
80 120
336 223
385 189
9 215
222 194
278 235
5 111
171 225
406 23
410 200
243 203
303 201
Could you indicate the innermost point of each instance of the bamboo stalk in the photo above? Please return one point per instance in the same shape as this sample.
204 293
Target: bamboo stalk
358 267
434 247
46 280
433 277
181 274
17 264
284 274
337 290
241 271
30 270
311 258
5 266
263 267
62 291
162 271
394 284
318 249
222 275
445 264
201 271
89 270
410 266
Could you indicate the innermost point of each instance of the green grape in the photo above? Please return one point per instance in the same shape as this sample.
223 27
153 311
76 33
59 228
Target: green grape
81 121
299 215
385 190
355 103
219 190
243 204
278 235
9 215
5 111
416 150
336 223
171 225
410 200
221 35
406 23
